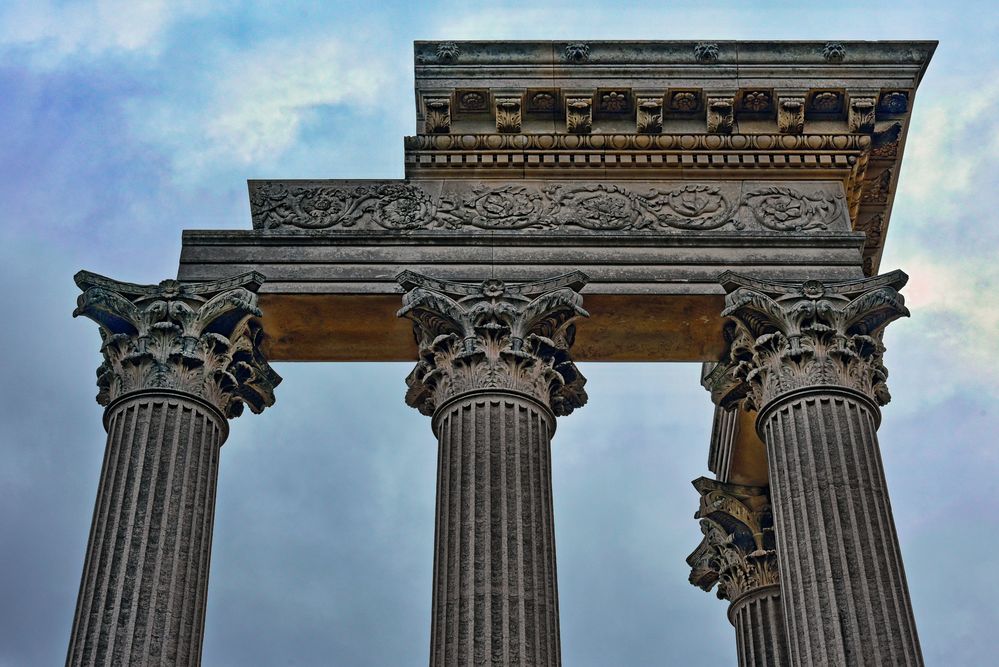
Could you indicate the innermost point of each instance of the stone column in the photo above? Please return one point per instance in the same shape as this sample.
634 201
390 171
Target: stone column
738 553
494 372
179 361
810 358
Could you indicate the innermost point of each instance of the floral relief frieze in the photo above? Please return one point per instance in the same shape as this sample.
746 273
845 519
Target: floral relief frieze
548 206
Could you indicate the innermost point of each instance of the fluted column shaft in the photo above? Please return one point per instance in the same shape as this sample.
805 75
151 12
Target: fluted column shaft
760 636
810 358
179 360
845 596
145 577
495 597
494 371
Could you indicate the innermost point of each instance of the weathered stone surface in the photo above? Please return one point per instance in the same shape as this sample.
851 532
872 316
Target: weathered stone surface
178 360
494 337
201 339
810 355
738 554
813 334
760 637
145 576
652 207
495 593
651 297
494 370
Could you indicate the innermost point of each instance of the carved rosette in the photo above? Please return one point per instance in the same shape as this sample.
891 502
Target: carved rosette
785 209
200 339
791 115
793 336
738 552
494 336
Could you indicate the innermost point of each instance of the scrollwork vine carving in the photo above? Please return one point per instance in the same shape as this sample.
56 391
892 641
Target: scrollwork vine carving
406 206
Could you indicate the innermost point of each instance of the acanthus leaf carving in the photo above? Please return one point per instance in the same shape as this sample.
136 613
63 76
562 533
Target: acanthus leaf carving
738 551
493 335
794 336
720 115
202 339
862 114
437 115
508 114
791 115
405 207
785 209
649 115
579 115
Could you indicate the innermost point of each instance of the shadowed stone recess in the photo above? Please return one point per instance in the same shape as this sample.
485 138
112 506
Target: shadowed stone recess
811 357
178 361
738 554
494 371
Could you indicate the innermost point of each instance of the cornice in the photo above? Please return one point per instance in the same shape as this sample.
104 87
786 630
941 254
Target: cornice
698 55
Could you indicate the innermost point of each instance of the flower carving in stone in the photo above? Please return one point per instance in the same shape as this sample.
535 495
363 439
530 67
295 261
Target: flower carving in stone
786 209
202 339
794 336
543 101
894 102
472 100
827 102
684 101
402 207
614 102
756 101
738 551
494 336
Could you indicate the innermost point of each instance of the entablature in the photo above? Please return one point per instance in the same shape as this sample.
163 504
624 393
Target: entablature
647 110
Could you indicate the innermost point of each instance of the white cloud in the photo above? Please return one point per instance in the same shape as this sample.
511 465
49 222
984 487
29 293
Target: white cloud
940 160
55 32
248 107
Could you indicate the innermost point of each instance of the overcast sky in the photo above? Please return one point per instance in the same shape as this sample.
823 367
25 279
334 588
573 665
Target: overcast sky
122 123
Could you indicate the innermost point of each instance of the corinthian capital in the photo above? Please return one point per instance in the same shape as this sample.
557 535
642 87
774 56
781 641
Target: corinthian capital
200 339
738 550
790 336
494 335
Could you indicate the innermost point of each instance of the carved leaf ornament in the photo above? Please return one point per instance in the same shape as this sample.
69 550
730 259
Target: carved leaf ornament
783 209
790 337
738 551
494 336
201 339
592 206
